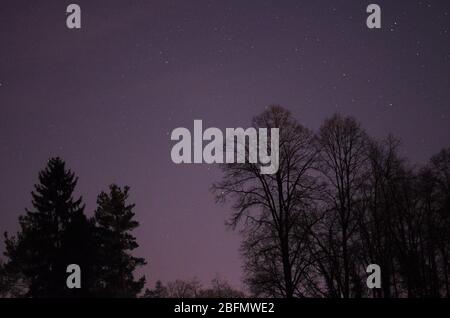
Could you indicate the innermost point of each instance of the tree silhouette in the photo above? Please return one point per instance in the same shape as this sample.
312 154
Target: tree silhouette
404 223
277 211
51 235
377 213
341 162
440 170
220 288
160 291
114 219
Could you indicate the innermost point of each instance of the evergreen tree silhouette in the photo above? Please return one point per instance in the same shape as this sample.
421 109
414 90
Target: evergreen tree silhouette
54 234
114 221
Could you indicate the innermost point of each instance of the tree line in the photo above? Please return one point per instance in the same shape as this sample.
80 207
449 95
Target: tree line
192 288
340 201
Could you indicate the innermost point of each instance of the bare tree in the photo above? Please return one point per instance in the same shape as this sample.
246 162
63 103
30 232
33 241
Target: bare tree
220 288
342 161
276 211
377 214
193 289
438 219
183 289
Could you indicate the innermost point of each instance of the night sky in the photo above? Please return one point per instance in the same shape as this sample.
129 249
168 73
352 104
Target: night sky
106 98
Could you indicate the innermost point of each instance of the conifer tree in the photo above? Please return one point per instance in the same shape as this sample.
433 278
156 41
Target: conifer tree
115 221
52 235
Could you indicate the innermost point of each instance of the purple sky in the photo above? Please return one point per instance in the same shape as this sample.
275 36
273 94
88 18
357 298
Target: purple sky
105 98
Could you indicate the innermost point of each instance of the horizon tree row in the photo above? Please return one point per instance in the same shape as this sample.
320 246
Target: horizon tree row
340 201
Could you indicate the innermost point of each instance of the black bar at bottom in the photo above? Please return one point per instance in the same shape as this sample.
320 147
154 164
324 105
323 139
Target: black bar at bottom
225 307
